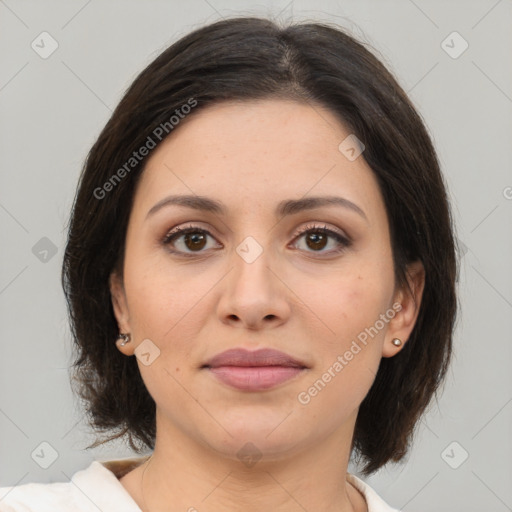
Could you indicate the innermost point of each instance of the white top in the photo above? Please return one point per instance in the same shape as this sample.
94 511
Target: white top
98 488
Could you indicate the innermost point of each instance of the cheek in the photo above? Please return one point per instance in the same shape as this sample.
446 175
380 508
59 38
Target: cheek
351 301
155 299
348 359
167 303
349 349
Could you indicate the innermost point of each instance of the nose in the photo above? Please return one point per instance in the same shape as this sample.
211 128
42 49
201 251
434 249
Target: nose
254 296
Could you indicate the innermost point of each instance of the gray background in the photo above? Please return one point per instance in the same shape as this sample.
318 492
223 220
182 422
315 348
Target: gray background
53 109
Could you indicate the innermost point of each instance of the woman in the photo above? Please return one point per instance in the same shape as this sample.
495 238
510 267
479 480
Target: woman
263 227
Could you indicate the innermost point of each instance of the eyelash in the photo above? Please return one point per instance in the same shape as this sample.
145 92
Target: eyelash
180 231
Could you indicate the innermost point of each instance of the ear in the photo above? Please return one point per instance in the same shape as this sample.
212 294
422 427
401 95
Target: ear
120 306
403 322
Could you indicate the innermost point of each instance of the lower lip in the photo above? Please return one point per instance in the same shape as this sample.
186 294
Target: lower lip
254 378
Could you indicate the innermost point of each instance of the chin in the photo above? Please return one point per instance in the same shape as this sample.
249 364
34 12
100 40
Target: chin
269 436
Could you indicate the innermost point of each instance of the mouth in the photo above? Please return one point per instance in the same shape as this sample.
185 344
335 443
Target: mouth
254 370
247 378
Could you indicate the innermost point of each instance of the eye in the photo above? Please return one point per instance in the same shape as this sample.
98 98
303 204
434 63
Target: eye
317 238
194 239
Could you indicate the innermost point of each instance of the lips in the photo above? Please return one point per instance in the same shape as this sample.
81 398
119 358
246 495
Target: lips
257 370
262 357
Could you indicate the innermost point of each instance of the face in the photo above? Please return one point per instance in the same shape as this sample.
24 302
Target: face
314 283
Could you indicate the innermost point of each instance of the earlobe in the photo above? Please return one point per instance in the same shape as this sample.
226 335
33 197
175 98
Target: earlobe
409 298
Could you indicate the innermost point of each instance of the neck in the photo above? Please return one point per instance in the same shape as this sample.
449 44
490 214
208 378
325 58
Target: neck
185 475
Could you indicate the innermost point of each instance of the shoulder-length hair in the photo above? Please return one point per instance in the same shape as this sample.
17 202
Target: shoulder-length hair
254 58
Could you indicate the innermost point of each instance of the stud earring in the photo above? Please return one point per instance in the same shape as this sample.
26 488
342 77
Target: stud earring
397 342
125 337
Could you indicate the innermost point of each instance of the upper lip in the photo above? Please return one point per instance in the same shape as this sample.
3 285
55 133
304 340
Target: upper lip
261 357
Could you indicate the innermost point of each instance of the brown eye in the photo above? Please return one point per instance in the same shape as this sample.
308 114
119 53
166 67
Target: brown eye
317 238
194 239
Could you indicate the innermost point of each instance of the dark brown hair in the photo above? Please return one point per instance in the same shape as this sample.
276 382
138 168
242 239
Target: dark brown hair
255 58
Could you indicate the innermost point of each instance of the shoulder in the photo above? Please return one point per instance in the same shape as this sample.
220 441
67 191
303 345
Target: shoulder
374 502
89 490
25 497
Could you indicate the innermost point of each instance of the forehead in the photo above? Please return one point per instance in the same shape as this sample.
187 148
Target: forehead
259 152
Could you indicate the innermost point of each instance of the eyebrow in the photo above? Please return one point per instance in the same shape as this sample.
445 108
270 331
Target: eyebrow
284 208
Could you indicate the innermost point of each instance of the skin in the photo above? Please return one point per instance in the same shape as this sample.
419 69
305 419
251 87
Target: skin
296 297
